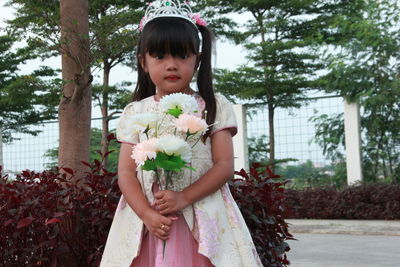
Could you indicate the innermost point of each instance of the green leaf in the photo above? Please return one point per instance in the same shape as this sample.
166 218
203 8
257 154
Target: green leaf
149 165
189 167
169 162
175 112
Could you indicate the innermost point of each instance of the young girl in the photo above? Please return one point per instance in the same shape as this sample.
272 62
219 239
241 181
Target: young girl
198 218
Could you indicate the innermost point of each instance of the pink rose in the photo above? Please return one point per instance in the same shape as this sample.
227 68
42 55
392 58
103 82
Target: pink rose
144 151
191 123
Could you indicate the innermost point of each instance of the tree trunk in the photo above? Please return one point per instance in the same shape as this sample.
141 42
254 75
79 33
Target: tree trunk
1 149
271 114
271 136
270 97
75 105
104 113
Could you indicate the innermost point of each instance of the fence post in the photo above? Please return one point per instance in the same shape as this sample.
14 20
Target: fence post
352 141
241 151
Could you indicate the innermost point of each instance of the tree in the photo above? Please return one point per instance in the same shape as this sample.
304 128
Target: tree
281 38
112 39
366 68
24 99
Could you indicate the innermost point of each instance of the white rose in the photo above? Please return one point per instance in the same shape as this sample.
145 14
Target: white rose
173 145
139 122
185 102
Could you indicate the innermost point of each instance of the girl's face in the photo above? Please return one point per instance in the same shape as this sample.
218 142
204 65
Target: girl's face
170 74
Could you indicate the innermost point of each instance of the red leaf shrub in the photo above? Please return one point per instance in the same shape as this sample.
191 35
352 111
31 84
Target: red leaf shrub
260 200
366 201
47 220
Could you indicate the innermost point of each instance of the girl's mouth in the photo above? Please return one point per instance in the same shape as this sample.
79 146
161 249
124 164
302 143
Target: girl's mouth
172 78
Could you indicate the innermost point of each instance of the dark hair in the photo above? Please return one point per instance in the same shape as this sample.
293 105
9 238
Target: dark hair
177 37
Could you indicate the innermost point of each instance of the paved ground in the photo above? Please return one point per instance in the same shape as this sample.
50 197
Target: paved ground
344 243
339 250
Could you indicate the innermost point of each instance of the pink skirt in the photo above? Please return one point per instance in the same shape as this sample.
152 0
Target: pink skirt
181 248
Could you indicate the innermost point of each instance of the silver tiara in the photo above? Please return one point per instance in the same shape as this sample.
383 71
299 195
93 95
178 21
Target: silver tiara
170 8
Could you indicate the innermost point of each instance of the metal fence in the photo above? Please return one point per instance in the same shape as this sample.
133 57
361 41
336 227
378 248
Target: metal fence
28 152
294 132
294 135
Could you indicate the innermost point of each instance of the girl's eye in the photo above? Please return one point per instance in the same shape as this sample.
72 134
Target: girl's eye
159 56
183 56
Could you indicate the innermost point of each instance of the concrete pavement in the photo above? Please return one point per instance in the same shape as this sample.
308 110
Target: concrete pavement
340 250
344 243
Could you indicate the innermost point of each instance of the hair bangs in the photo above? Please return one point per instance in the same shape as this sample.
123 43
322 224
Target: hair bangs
171 36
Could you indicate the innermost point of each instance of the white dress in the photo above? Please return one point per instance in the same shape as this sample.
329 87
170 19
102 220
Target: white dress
215 221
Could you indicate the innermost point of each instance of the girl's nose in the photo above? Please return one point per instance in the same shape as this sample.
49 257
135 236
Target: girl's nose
171 63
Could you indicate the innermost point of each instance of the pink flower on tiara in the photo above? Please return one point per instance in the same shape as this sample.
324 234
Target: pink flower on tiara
198 20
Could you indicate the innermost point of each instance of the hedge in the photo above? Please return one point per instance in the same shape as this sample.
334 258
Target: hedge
48 220
377 201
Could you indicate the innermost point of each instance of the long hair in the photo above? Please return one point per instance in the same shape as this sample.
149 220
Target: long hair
177 37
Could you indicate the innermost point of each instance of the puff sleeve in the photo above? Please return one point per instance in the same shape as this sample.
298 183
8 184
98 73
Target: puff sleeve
225 117
125 133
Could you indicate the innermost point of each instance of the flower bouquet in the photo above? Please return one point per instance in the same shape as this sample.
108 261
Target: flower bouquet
169 133
163 151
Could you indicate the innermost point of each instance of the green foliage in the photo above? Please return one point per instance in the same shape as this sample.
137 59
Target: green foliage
169 162
283 40
258 152
118 96
211 11
339 176
113 35
329 134
175 112
258 149
369 60
380 142
112 38
24 99
95 148
367 70
113 24
149 165
306 175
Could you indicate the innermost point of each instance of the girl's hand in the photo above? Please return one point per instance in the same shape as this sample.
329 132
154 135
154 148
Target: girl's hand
157 224
170 202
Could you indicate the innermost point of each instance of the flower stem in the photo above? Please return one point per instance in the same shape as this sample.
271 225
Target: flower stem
167 179
159 125
158 179
198 139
